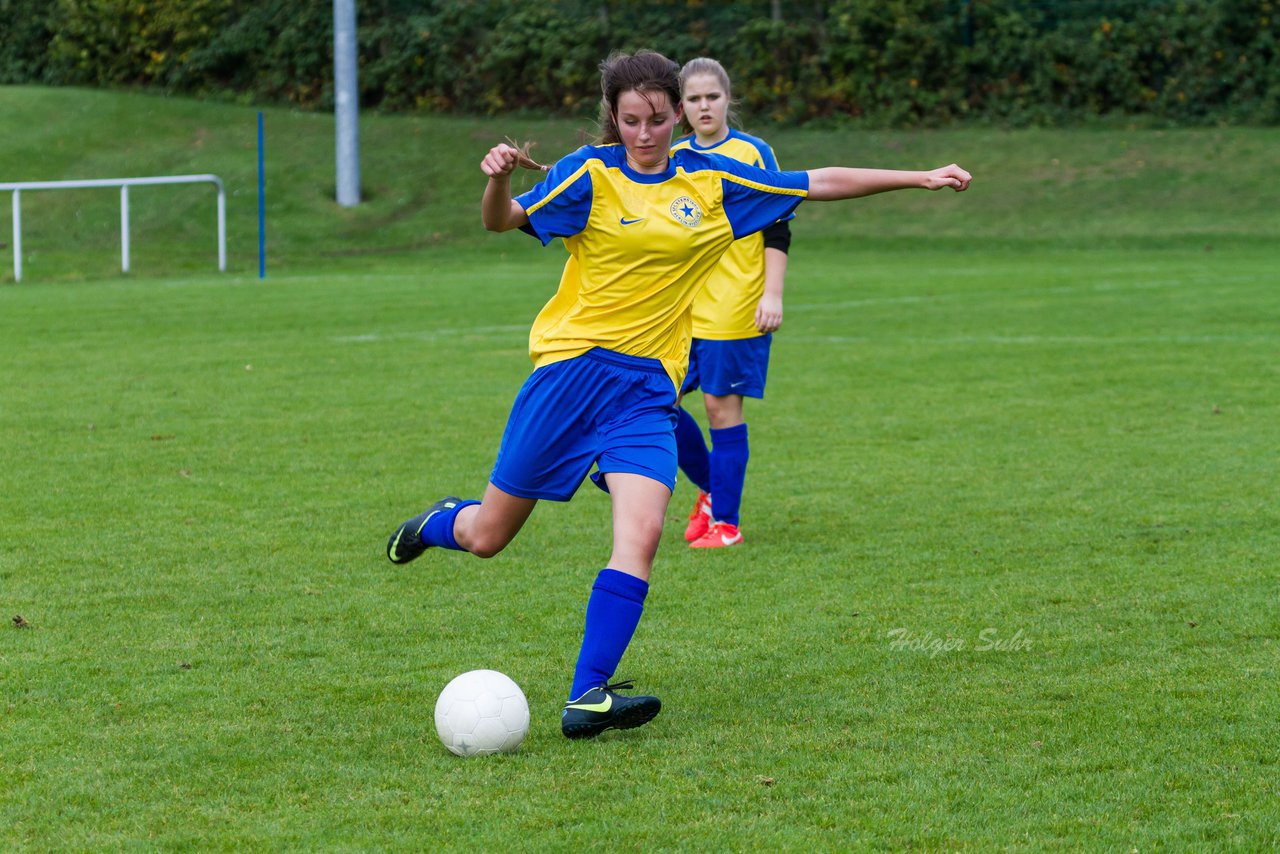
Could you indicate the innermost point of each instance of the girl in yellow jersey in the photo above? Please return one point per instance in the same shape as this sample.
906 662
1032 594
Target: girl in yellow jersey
734 318
644 229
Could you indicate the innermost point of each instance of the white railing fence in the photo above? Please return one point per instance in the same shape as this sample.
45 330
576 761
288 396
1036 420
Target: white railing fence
124 184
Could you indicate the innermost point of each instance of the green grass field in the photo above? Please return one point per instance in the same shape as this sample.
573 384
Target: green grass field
1010 581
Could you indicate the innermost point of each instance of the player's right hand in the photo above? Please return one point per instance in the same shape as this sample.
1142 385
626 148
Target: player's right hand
501 160
948 176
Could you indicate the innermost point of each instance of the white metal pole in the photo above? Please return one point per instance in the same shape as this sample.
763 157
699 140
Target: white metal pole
346 102
124 228
17 235
222 229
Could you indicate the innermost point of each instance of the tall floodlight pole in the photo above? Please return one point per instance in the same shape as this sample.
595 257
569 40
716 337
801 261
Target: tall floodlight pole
346 102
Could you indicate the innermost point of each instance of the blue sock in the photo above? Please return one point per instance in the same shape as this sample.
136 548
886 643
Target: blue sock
439 528
691 449
613 612
729 453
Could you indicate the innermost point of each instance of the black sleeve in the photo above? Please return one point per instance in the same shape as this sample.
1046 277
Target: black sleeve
778 236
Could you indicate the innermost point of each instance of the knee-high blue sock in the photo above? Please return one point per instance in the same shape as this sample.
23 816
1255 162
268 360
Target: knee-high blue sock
438 531
613 612
729 453
691 449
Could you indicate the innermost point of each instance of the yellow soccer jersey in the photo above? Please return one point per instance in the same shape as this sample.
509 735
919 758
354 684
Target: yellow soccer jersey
641 246
726 308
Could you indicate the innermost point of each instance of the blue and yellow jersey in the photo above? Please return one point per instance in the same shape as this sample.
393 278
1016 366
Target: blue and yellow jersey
642 246
726 307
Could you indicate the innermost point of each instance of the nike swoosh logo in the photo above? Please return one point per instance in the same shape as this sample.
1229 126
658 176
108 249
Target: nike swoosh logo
594 707
395 543
728 541
735 385
626 221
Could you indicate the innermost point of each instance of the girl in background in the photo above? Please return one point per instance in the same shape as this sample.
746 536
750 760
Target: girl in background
734 318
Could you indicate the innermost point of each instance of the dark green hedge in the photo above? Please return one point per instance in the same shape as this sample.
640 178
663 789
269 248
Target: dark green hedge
878 62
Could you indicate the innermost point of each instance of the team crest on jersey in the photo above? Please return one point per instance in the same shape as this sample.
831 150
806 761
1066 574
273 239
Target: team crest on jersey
686 211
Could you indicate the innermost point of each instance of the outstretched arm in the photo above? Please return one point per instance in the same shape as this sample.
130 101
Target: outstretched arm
838 182
498 210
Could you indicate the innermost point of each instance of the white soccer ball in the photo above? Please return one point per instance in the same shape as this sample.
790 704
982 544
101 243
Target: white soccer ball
482 712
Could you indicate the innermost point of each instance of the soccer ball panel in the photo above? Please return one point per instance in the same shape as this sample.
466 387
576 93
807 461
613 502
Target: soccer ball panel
515 713
462 717
491 734
488 704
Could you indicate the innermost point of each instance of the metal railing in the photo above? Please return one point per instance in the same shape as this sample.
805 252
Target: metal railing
124 184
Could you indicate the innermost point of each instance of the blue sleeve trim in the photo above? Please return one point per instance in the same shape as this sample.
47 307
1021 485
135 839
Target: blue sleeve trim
560 204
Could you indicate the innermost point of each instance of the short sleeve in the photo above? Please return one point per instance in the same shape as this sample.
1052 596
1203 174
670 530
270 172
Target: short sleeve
756 198
770 161
560 205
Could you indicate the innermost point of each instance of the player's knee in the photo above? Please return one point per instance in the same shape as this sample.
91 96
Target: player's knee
487 545
484 535
647 534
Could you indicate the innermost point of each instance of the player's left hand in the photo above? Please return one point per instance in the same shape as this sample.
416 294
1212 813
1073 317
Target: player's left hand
948 176
769 313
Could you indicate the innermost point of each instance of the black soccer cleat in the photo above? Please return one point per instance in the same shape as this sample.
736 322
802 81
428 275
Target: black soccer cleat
406 543
600 709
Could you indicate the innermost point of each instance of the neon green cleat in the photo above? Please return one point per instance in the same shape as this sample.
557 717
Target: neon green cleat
600 709
406 543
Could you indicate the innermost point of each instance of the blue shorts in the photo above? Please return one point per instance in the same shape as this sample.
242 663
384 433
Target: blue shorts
604 408
739 366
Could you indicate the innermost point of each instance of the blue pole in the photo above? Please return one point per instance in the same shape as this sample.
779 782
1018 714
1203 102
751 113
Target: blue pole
262 208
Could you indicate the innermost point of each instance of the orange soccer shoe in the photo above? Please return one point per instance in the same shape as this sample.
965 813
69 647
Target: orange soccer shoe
718 536
700 518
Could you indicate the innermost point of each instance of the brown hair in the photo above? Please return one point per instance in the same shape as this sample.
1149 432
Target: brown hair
523 159
645 72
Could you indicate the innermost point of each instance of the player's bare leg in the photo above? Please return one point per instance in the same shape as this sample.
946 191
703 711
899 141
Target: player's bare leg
486 528
639 507
723 410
